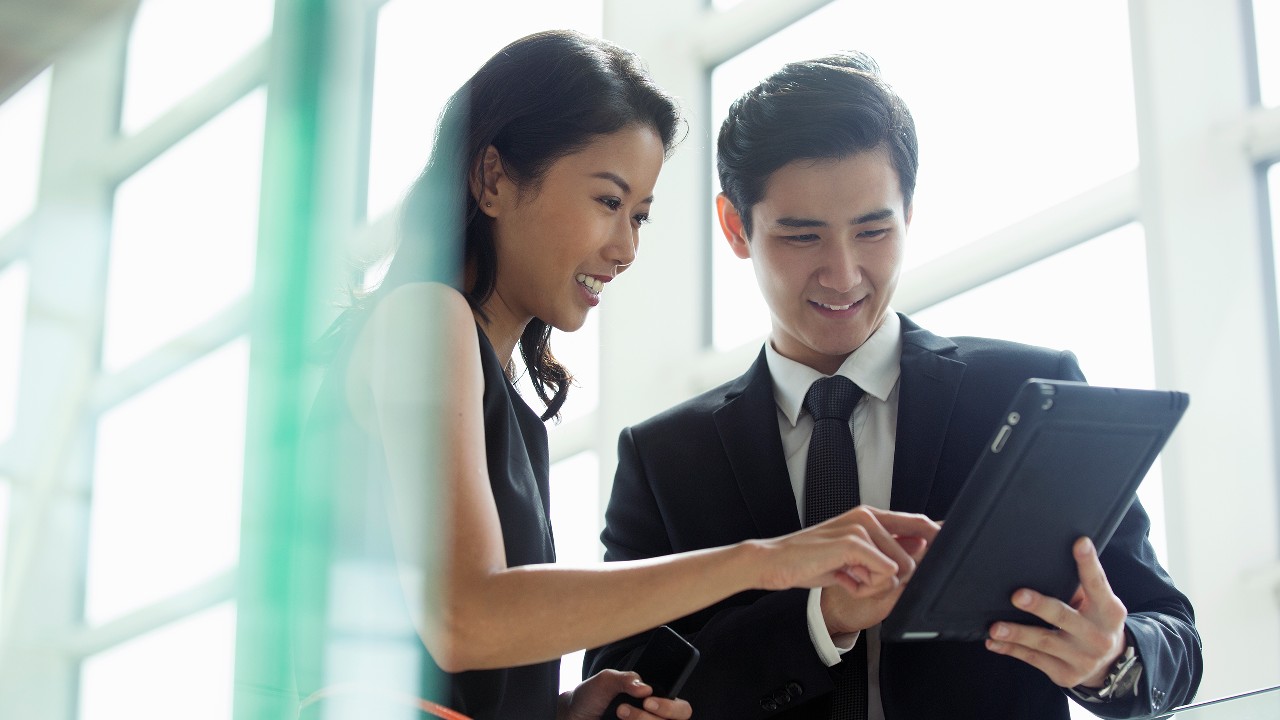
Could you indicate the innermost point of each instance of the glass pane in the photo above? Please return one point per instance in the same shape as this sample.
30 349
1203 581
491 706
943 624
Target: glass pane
13 310
183 670
424 53
1108 328
184 236
166 489
1266 23
577 522
21 141
1013 120
177 46
1273 184
5 489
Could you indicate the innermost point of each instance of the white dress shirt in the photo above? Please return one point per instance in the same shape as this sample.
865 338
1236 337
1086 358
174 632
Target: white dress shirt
874 367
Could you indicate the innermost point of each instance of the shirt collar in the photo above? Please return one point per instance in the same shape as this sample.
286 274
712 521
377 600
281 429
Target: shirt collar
874 367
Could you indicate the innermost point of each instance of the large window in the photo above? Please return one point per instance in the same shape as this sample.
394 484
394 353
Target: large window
168 466
185 233
5 492
22 120
13 305
1010 123
13 291
1273 184
1091 300
183 669
178 46
422 58
1266 23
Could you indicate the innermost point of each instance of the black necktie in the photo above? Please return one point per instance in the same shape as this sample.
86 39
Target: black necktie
831 488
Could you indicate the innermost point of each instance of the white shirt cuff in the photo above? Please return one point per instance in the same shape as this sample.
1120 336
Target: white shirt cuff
829 648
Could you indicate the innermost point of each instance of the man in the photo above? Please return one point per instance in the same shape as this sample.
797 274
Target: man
818 167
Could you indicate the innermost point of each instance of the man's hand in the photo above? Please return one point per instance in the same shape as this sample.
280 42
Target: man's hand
1089 634
846 613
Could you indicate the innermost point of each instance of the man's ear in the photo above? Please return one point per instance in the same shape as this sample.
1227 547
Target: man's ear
487 184
731 226
910 210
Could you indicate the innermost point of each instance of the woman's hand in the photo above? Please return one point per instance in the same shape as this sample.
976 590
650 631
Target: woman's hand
867 551
590 699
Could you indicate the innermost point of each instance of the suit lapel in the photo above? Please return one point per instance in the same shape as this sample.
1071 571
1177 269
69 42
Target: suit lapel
927 390
748 428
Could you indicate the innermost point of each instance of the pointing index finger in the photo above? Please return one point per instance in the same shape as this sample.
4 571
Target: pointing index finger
1092 577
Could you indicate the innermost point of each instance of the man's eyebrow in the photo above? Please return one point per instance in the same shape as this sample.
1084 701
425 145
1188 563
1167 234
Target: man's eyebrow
874 216
794 222
616 180
802 222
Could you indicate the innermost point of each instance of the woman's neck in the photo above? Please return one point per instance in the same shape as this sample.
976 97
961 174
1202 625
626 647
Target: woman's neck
502 330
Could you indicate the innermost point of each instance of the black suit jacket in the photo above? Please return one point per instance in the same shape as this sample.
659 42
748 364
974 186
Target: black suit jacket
711 472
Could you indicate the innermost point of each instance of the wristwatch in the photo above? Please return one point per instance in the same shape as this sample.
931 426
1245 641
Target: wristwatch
1122 679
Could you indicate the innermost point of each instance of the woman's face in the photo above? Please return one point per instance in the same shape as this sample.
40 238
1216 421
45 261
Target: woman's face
562 241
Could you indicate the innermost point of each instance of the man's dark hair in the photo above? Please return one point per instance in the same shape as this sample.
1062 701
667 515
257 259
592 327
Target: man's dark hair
826 108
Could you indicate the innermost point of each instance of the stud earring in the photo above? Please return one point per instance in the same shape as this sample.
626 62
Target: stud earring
488 204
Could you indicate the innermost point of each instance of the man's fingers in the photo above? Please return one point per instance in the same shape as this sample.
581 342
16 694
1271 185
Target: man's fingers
1051 610
1050 665
1092 577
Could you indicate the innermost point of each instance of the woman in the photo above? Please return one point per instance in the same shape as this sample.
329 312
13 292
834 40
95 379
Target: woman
543 173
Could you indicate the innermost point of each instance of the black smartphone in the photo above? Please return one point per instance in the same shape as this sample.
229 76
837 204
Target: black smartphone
663 664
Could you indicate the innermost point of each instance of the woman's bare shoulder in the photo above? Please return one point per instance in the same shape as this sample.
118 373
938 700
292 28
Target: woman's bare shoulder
416 334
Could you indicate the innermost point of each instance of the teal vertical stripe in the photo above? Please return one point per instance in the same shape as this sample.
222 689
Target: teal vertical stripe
296 242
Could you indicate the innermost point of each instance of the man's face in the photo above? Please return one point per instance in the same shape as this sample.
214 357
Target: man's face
826 243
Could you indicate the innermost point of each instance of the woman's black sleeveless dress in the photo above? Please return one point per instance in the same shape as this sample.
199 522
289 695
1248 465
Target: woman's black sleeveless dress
368 641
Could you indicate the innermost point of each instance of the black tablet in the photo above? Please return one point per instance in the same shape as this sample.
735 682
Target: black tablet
1064 463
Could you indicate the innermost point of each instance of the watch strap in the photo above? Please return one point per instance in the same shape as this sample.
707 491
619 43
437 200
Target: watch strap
1122 680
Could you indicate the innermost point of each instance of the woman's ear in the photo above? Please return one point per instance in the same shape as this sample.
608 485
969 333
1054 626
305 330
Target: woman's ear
487 180
731 226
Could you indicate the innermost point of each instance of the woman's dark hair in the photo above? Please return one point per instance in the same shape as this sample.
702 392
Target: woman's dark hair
826 108
537 100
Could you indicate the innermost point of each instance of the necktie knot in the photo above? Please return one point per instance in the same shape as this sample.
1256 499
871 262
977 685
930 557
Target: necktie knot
832 398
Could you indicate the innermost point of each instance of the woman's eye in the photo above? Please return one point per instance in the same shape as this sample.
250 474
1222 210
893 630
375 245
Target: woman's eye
641 218
612 203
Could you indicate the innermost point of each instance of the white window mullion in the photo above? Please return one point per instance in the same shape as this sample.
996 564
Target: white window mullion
50 451
1210 325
